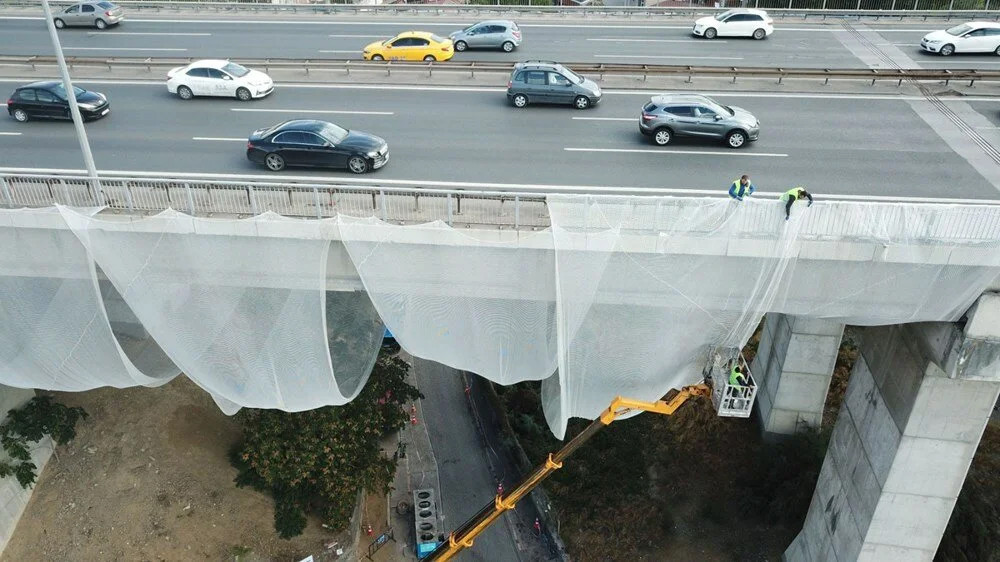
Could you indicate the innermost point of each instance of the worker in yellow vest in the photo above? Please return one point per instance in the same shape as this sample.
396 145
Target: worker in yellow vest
793 195
741 188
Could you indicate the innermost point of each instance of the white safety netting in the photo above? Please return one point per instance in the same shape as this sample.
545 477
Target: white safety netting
622 296
54 332
241 305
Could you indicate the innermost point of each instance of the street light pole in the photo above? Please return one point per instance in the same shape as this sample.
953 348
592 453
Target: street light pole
74 109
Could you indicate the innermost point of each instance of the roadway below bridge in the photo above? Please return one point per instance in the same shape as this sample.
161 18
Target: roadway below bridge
634 40
852 145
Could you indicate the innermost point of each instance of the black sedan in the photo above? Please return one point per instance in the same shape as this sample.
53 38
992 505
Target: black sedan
47 100
316 144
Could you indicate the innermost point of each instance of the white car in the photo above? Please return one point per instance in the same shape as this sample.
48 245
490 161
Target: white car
218 78
971 37
735 23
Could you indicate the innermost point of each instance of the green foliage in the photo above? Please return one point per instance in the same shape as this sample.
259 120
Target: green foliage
784 477
38 418
317 461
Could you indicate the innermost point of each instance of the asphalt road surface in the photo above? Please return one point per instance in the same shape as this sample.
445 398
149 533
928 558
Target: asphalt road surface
472 138
623 41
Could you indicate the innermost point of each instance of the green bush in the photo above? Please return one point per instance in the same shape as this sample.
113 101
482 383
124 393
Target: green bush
317 461
38 418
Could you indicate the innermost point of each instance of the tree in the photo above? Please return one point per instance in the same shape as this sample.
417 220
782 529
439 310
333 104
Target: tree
38 418
316 462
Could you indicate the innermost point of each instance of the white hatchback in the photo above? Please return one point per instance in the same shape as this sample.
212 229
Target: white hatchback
735 23
971 37
218 78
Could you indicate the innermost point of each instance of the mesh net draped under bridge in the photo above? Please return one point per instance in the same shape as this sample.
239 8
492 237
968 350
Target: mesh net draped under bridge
621 296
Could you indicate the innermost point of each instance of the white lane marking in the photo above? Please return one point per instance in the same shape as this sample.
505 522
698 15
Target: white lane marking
330 111
360 36
354 51
604 118
626 40
665 151
114 33
547 188
119 49
699 57
990 128
9 134
494 90
218 139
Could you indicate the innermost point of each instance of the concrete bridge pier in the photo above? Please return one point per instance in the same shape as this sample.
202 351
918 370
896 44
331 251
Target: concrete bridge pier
916 406
793 368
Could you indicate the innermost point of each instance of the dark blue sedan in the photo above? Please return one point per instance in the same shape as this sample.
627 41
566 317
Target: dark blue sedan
319 144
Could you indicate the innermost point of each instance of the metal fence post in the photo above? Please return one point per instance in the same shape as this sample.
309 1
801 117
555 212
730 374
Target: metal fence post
381 198
251 200
319 209
517 211
892 8
951 6
915 4
6 191
128 196
859 5
789 4
190 198
449 209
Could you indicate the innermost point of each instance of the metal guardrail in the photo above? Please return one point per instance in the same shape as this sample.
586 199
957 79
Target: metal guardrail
975 226
598 70
925 9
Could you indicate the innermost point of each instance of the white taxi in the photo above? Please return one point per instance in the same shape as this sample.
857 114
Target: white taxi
218 78
735 23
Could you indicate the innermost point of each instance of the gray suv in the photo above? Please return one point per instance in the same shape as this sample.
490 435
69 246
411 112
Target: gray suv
492 34
692 115
550 82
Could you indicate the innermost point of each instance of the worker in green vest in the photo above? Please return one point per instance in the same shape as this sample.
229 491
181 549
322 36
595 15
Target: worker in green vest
793 195
736 377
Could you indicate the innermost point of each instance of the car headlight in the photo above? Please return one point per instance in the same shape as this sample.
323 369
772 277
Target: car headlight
371 153
932 41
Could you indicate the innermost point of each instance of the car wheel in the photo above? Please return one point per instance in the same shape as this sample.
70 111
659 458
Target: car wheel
736 139
429 58
184 92
20 115
947 50
710 33
581 102
461 46
662 136
101 24
59 23
759 34
507 46
520 100
378 57
357 164
274 162
243 94
997 52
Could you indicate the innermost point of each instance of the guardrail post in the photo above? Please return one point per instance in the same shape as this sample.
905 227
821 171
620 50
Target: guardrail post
449 209
892 8
6 191
824 4
319 208
517 211
190 197
789 4
251 200
381 196
347 67
128 196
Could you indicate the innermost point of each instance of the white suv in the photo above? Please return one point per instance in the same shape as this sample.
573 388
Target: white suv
735 23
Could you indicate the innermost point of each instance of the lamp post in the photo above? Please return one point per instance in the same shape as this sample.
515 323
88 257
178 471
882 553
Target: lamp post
74 109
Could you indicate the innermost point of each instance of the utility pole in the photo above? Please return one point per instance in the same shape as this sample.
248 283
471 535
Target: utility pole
74 109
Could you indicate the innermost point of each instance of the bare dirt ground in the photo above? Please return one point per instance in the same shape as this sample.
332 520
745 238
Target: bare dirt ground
148 479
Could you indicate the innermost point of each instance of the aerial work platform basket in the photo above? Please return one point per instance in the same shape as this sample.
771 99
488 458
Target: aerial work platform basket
730 400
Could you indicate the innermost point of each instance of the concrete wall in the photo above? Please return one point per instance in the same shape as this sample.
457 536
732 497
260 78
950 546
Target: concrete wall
907 431
793 367
13 498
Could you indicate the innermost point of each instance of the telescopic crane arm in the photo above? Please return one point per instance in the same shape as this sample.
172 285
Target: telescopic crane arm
464 536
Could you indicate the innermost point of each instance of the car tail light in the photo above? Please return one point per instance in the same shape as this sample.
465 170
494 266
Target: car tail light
509 84
446 48
517 34
648 117
10 101
108 13
249 145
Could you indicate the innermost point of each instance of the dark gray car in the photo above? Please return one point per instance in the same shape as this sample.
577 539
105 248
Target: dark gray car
691 115
491 34
90 14
550 82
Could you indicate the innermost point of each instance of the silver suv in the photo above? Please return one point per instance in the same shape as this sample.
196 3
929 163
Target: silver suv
492 34
692 115
550 82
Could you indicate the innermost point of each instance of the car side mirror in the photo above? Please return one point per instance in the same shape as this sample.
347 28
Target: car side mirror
718 118
226 77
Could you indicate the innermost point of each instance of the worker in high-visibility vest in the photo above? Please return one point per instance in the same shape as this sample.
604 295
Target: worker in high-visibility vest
793 195
741 188
736 377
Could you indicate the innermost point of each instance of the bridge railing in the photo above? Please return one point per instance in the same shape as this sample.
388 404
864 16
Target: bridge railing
965 224
923 9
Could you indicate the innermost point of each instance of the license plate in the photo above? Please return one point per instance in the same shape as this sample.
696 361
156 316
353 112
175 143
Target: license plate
105 112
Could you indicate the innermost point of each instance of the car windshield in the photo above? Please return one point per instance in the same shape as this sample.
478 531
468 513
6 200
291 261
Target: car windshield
718 107
572 75
959 30
236 70
333 133
723 15
60 91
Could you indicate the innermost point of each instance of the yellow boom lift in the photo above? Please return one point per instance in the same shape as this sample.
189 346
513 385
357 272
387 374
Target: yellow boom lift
730 400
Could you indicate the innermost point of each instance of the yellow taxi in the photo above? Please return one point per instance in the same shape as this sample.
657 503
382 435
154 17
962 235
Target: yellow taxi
411 45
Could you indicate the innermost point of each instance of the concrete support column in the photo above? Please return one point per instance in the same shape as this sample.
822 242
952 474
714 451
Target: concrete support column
793 367
916 406
14 498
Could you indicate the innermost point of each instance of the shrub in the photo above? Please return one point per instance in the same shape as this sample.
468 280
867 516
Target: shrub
38 418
